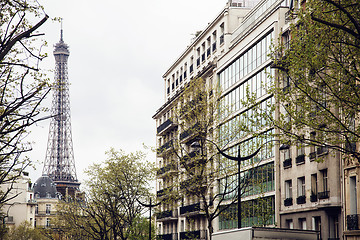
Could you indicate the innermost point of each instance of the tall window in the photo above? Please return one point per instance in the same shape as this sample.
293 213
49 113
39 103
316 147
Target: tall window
48 208
288 189
47 222
302 223
301 186
324 175
314 189
353 193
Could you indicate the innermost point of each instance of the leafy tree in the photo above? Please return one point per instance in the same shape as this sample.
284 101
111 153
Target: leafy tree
111 209
318 93
193 151
22 84
24 232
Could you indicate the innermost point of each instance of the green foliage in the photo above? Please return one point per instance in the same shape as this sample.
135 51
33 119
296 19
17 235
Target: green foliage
23 86
24 232
318 90
111 209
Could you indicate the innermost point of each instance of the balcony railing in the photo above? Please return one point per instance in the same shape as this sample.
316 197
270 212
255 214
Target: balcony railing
313 197
165 146
300 159
312 156
301 199
190 208
287 163
199 234
324 194
167 214
167 168
162 192
352 222
170 236
288 202
322 150
164 125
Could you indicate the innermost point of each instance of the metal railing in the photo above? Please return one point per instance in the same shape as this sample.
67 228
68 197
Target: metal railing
352 222
288 202
300 159
190 208
287 163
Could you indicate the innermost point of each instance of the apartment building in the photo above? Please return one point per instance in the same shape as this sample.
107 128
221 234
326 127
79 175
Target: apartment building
46 198
21 206
233 53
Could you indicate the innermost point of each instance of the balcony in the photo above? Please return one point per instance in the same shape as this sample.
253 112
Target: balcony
163 192
170 236
287 163
300 159
312 156
288 202
322 150
165 126
165 147
324 194
190 132
199 234
167 168
193 208
313 197
167 215
352 222
290 15
301 199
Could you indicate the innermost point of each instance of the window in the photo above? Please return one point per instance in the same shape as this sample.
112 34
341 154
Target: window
198 57
301 199
314 190
48 208
300 159
353 193
36 209
302 223
222 32
185 67
47 222
324 185
301 186
208 51
289 223
214 41
316 224
288 193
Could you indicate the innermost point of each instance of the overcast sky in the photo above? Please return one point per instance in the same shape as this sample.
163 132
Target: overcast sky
119 51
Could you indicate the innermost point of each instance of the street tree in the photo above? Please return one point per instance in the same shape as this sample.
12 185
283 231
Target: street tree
23 85
318 92
111 209
202 173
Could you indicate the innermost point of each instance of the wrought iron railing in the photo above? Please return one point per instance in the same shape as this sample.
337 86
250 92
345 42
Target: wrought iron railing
288 202
324 194
301 199
287 163
352 222
300 159
190 208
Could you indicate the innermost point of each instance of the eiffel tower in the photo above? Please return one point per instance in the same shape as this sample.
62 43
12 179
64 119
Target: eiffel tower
59 163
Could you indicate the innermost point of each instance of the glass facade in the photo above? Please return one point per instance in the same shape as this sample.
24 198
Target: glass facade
257 212
249 75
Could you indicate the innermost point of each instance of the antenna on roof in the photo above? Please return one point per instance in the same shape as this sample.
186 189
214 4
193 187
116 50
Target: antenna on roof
61 31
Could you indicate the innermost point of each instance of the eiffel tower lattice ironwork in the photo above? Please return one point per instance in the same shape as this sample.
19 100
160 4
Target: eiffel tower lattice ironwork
59 162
